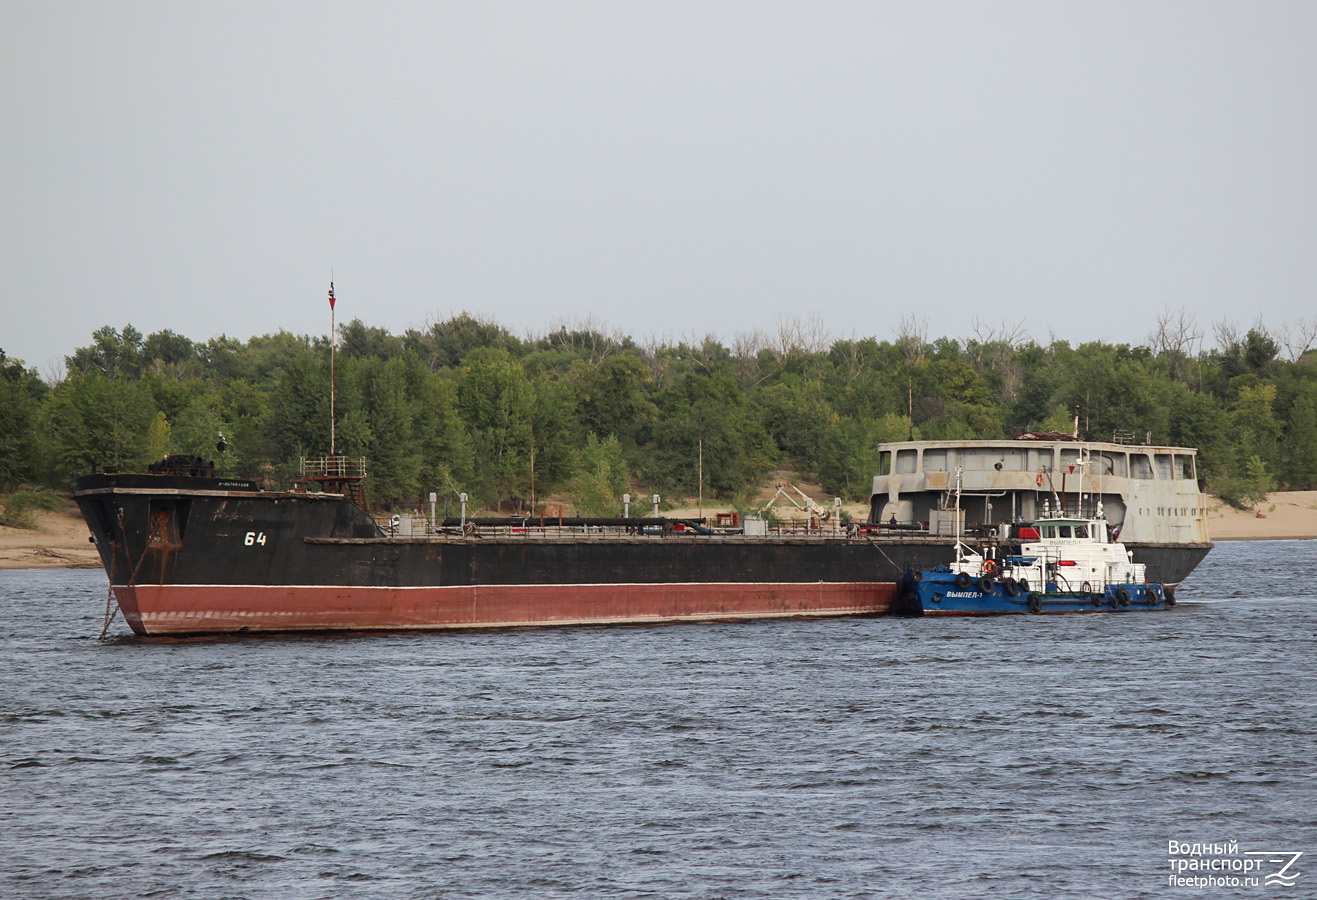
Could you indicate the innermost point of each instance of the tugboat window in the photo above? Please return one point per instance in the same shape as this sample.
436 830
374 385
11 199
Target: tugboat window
1081 531
1065 531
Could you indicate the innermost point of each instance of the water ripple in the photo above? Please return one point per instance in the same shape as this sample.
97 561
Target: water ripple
1009 758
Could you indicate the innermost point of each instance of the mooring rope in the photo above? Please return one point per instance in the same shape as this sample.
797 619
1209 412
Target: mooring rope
872 543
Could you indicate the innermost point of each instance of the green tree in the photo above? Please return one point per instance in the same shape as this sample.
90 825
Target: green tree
360 341
1037 387
91 420
497 402
1301 444
196 430
446 456
298 422
555 436
1198 420
171 356
705 417
445 344
395 459
21 394
114 354
601 479
243 410
611 396
850 453
796 414
1253 428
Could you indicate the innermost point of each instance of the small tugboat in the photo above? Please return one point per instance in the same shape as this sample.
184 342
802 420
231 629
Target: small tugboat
1060 564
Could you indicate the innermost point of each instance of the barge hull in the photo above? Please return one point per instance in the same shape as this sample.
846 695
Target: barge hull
212 609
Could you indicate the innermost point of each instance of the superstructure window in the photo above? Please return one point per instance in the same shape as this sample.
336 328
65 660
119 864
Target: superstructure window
1081 531
907 461
1164 466
1140 465
1186 466
1113 464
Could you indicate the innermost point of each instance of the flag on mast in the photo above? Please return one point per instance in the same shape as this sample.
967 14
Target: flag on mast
331 296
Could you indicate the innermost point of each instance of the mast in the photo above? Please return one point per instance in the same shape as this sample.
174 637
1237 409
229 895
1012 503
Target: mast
333 446
955 515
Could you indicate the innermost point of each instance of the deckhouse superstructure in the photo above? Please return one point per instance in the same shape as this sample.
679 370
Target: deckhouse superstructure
1150 493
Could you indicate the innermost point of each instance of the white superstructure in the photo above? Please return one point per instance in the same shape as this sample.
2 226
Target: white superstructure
1150 493
1069 554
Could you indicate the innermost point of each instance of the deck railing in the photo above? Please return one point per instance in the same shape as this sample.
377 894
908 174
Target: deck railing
334 466
418 525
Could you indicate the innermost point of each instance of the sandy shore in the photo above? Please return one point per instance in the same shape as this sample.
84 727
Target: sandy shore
1288 514
60 539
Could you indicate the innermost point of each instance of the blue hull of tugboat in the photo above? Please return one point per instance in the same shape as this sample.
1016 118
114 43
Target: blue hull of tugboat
937 593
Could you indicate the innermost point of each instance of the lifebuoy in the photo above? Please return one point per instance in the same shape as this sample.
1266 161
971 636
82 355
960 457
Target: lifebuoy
962 580
985 584
1039 479
990 566
1035 603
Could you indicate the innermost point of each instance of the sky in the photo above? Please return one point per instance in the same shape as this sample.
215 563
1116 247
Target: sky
1061 170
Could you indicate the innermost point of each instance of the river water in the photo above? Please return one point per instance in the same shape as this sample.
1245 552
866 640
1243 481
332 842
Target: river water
1013 757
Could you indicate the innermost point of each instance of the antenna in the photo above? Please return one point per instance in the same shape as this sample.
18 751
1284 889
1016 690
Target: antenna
1102 465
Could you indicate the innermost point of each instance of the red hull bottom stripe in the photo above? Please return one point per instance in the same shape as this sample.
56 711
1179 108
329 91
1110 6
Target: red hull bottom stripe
213 609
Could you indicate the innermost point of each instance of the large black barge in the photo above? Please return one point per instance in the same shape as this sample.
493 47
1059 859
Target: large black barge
187 552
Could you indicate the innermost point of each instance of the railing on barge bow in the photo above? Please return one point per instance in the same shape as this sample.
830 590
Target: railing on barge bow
334 475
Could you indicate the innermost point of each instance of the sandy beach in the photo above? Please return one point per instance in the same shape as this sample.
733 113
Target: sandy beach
1285 515
61 538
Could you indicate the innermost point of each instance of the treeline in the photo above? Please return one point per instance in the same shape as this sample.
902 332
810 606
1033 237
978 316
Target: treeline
465 405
